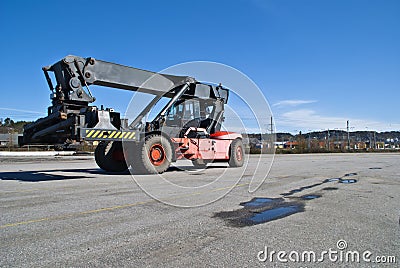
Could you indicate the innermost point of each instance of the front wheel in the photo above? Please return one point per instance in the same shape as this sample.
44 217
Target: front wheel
153 156
236 153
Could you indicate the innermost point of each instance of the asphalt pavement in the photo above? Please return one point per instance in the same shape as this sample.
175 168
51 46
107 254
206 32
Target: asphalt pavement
320 210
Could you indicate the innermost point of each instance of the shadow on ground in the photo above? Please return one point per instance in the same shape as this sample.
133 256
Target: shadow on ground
45 175
36 176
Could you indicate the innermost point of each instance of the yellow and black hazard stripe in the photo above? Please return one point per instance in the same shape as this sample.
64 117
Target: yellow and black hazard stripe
101 134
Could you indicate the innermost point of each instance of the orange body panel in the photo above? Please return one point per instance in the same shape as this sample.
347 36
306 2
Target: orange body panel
195 148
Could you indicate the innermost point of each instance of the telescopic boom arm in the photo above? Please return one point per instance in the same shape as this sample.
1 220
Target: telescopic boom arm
73 73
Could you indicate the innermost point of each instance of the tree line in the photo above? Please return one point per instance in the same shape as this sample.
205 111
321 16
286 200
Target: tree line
10 126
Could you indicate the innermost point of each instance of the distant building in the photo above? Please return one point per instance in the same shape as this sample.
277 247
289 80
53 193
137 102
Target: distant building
255 143
280 144
7 140
291 144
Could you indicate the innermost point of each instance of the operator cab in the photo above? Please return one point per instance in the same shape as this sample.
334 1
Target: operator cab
203 110
199 105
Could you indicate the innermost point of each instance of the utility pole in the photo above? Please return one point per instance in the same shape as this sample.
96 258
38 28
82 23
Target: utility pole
272 126
329 146
10 138
348 136
374 139
370 139
291 140
269 138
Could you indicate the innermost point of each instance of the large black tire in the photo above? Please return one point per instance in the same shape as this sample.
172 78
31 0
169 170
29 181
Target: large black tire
109 156
236 153
153 156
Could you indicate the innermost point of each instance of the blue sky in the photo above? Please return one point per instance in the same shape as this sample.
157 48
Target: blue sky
318 63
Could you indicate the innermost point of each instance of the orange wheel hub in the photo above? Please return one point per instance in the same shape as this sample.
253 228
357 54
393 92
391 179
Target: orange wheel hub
157 154
239 153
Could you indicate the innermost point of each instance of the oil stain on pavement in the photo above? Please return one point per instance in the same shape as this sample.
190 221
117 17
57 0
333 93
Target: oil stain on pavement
263 209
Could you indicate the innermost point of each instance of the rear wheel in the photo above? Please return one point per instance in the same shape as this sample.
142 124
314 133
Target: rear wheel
236 153
154 156
109 156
